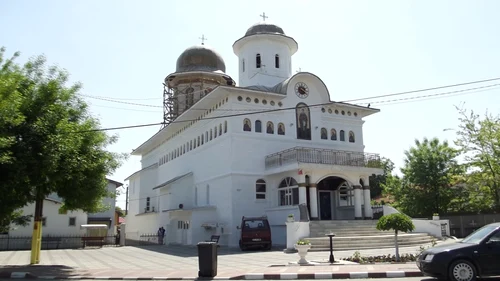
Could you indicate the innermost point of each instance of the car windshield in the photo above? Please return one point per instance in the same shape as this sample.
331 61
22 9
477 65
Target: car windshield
255 224
478 235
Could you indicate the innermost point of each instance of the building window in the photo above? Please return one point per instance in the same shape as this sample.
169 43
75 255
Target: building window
148 204
324 134
257 61
333 134
208 194
346 195
215 131
190 96
351 136
199 142
247 126
211 134
260 189
206 136
281 129
225 126
191 145
243 65
288 192
44 221
342 135
220 129
277 61
72 221
270 127
258 126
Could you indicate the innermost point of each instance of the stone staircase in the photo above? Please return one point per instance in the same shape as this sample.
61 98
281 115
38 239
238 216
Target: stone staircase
359 234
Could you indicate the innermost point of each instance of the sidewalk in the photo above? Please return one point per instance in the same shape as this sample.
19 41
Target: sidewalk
177 262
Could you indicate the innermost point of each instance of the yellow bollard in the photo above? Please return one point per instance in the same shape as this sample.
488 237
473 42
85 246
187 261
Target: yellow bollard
36 242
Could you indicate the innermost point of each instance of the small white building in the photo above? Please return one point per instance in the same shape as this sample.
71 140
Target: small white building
57 223
263 147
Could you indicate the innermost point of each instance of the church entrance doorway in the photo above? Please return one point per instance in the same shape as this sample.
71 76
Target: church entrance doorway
335 199
325 198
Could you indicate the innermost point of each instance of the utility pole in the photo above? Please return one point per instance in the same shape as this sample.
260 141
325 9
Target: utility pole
36 238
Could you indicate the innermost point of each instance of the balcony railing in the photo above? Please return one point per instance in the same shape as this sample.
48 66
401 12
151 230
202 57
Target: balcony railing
323 156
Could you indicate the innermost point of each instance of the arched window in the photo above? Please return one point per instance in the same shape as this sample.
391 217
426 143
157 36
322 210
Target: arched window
281 129
206 136
215 131
346 195
210 134
342 135
257 61
258 126
243 65
190 145
199 143
220 129
270 127
225 126
333 134
247 125
288 192
277 61
260 189
351 136
324 134
202 139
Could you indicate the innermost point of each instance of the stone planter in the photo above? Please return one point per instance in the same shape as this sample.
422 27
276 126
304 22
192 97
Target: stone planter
436 218
302 249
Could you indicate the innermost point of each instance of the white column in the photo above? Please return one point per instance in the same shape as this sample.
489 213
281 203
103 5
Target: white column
367 203
302 195
313 201
357 203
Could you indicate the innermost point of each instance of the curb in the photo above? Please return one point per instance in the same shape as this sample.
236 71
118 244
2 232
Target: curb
250 276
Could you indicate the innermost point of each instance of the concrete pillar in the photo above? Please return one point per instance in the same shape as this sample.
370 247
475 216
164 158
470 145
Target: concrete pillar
122 234
368 204
302 194
313 201
357 202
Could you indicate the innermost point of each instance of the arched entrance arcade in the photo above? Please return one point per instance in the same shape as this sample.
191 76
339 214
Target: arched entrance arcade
335 199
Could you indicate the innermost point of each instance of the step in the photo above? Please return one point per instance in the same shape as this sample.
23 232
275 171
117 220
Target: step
350 234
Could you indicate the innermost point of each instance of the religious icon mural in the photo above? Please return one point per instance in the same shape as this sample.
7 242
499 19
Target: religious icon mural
270 128
281 129
324 134
247 127
333 134
303 122
351 136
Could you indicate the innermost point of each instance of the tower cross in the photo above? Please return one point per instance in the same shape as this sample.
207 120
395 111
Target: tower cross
203 38
264 17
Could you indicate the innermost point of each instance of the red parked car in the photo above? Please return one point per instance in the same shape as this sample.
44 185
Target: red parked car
255 232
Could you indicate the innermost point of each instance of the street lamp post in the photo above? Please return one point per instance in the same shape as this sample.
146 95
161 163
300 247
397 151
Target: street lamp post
332 259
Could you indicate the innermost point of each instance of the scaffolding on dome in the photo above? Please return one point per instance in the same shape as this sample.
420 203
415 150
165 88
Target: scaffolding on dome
173 107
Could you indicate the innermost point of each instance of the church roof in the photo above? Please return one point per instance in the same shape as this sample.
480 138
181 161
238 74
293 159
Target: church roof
200 58
264 28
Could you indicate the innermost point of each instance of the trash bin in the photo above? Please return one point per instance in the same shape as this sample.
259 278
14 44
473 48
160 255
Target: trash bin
207 259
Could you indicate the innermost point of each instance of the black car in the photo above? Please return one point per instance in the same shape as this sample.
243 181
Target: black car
476 255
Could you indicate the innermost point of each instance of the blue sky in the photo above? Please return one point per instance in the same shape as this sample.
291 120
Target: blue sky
124 50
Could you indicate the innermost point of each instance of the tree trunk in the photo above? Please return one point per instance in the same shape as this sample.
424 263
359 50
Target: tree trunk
396 244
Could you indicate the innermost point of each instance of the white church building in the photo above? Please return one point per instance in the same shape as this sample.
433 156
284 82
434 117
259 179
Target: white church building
259 147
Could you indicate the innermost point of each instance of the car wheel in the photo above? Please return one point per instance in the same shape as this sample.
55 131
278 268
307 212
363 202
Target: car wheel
462 270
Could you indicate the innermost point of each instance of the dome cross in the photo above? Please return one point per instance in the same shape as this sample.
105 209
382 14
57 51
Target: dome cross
203 38
264 17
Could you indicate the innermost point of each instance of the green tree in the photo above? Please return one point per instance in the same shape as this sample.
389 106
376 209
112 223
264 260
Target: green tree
397 222
49 142
479 141
377 181
120 211
429 173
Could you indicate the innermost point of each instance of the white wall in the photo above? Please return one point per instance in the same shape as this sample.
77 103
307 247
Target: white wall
268 74
56 224
110 202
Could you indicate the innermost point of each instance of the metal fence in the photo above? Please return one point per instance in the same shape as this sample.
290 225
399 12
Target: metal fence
10 243
143 239
463 225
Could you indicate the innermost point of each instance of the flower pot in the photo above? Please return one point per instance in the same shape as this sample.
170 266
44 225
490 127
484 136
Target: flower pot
302 250
290 219
435 218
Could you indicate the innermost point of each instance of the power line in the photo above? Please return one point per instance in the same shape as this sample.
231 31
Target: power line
291 108
428 89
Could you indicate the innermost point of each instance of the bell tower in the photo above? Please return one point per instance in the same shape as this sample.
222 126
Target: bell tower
264 55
